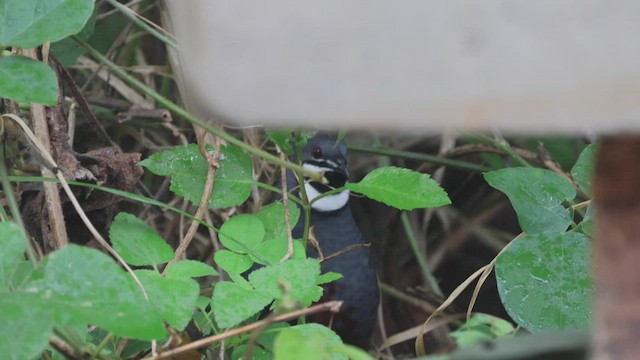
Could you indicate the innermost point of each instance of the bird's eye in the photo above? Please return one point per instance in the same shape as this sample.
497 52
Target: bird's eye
316 152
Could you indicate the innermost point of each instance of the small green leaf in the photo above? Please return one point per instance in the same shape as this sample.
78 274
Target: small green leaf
329 277
13 244
481 328
137 243
282 139
582 171
301 276
401 188
188 171
84 286
29 23
231 262
27 325
174 299
185 269
272 217
307 341
24 79
545 283
232 303
242 233
536 196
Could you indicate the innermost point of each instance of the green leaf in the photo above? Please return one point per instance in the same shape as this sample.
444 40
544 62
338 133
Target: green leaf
307 341
536 196
232 303
137 243
582 171
29 23
401 188
67 51
185 269
26 326
188 171
24 79
242 233
231 262
588 225
272 217
84 286
329 277
481 328
272 251
174 299
13 244
545 283
301 277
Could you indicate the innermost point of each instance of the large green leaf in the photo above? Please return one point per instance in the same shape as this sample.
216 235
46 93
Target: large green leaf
300 276
231 262
536 196
242 233
401 188
582 171
26 326
188 171
174 299
24 79
137 243
29 23
84 286
545 283
13 245
233 303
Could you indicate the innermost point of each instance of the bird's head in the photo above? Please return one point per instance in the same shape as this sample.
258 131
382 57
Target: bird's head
322 154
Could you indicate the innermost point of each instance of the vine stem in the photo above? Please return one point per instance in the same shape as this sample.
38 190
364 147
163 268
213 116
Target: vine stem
192 118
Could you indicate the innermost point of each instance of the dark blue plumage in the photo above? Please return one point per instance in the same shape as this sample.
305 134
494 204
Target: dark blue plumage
335 230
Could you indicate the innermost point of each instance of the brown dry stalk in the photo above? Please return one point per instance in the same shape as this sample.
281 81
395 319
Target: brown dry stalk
213 164
333 306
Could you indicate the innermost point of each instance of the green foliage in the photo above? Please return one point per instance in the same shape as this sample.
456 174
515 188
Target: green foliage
545 281
242 233
401 188
24 79
288 139
185 269
29 23
537 196
544 277
188 171
481 328
233 303
26 325
13 245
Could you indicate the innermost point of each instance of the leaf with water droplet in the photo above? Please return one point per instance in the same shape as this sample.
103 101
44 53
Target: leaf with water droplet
545 282
188 171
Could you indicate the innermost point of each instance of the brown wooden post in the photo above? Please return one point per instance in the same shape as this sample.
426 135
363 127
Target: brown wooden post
617 249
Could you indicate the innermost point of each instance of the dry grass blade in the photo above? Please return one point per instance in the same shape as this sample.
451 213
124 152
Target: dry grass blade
415 331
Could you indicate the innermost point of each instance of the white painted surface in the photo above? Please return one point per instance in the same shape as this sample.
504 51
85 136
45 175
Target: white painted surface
516 65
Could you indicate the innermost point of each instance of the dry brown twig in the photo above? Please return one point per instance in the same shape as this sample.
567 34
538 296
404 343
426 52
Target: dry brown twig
333 306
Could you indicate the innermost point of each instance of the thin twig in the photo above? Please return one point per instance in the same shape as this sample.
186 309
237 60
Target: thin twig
285 203
346 249
333 306
213 164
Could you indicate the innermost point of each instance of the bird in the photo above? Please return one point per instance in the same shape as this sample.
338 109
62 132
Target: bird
336 232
